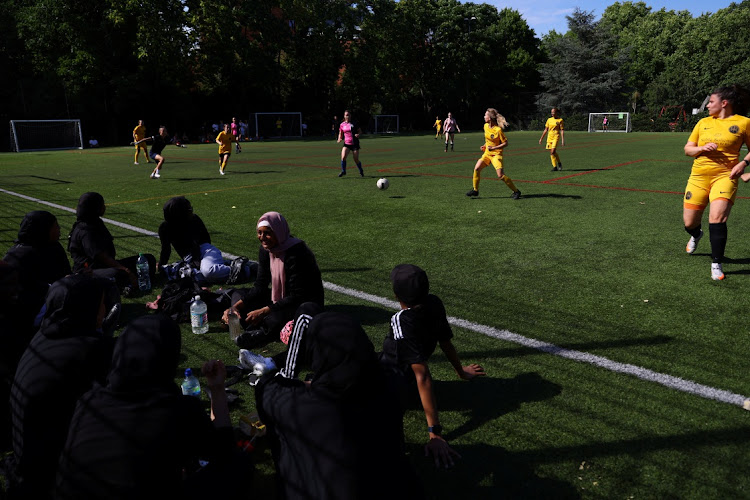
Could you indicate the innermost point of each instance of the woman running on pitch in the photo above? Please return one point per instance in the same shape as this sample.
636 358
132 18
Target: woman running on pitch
715 144
349 132
494 144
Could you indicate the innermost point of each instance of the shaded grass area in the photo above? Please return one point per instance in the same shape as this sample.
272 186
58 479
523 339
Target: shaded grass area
591 258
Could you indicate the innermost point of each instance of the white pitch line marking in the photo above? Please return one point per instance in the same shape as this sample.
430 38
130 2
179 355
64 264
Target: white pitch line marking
669 381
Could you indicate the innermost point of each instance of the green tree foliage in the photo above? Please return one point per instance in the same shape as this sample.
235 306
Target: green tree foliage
585 72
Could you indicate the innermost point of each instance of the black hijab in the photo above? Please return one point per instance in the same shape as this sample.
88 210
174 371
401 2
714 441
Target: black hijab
146 356
342 356
72 306
35 228
90 207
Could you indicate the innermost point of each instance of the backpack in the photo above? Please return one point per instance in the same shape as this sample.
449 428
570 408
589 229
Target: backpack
177 296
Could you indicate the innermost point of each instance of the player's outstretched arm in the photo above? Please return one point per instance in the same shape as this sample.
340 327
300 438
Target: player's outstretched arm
467 372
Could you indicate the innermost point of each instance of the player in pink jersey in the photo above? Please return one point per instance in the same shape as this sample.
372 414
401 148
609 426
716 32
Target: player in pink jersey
349 132
235 129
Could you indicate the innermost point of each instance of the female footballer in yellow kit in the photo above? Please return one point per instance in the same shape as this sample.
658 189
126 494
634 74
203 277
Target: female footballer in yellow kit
715 144
494 143
556 129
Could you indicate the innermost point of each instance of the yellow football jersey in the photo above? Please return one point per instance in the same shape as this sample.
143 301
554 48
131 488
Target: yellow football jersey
226 139
729 134
493 136
139 132
554 126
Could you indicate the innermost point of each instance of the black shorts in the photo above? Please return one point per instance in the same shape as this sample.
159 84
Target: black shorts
353 147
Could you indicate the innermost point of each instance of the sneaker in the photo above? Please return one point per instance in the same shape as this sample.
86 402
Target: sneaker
136 163
451 148
716 272
155 175
342 173
692 244
250 339
559 166
361 173
221 171
555 169
472 192
516 195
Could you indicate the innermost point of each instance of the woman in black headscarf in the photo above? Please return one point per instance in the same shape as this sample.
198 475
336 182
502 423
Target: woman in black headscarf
137 436
40 260
63 360
338 436
184 230
92 248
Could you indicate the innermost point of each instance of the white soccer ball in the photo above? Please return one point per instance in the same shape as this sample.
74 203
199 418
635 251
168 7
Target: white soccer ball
383 183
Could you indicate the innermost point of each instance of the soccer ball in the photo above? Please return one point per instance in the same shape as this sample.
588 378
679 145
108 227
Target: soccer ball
383 183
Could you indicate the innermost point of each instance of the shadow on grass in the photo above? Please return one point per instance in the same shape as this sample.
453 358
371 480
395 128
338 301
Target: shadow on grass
500 473
486 472
530 196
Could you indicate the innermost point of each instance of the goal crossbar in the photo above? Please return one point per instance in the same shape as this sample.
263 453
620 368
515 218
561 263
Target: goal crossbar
615 122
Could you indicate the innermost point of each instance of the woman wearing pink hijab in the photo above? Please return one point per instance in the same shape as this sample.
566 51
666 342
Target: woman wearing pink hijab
289 267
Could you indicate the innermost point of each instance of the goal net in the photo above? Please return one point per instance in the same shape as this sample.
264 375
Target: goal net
386 124
279 124
41 135
609 122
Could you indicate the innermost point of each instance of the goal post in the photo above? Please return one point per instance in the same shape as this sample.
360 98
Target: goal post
615 122
45 135
278 124
386 124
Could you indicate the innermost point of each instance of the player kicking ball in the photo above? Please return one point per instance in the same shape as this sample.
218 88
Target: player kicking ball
159 142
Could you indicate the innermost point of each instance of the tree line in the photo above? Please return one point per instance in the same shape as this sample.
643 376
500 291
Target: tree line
188 62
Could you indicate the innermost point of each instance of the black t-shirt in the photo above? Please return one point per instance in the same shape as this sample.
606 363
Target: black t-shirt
87 240
186 238
414 333
159 144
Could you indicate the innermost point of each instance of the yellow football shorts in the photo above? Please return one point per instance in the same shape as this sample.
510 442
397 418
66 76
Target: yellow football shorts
496 160
707 185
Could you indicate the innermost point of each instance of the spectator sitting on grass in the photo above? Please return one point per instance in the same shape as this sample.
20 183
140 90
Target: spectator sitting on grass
414 333
337 436
138 437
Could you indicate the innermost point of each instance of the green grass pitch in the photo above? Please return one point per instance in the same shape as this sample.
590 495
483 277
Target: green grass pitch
590 259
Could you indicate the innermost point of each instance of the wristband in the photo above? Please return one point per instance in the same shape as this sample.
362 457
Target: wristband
436 429
747 162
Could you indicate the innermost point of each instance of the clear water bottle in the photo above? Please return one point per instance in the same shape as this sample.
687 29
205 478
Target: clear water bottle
199 315
144 279
191 386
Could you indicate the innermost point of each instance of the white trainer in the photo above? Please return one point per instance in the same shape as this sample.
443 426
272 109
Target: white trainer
155 175
136 163
221 171
717 273
693 243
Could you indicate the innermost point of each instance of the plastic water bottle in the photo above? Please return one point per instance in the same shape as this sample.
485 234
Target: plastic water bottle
191 386
199 315
144 279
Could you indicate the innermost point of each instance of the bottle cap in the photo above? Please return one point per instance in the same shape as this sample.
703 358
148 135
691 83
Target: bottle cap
197 297
188 372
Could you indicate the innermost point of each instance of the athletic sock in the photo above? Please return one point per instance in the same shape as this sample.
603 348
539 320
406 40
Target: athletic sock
718 235
475 180
553 159
695 232
557 157
359 166
343 165
508 182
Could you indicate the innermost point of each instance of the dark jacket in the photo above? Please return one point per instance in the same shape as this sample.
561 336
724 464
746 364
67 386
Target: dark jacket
39 261
303 279
182 229
62 362
89 236
339 438
132 438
